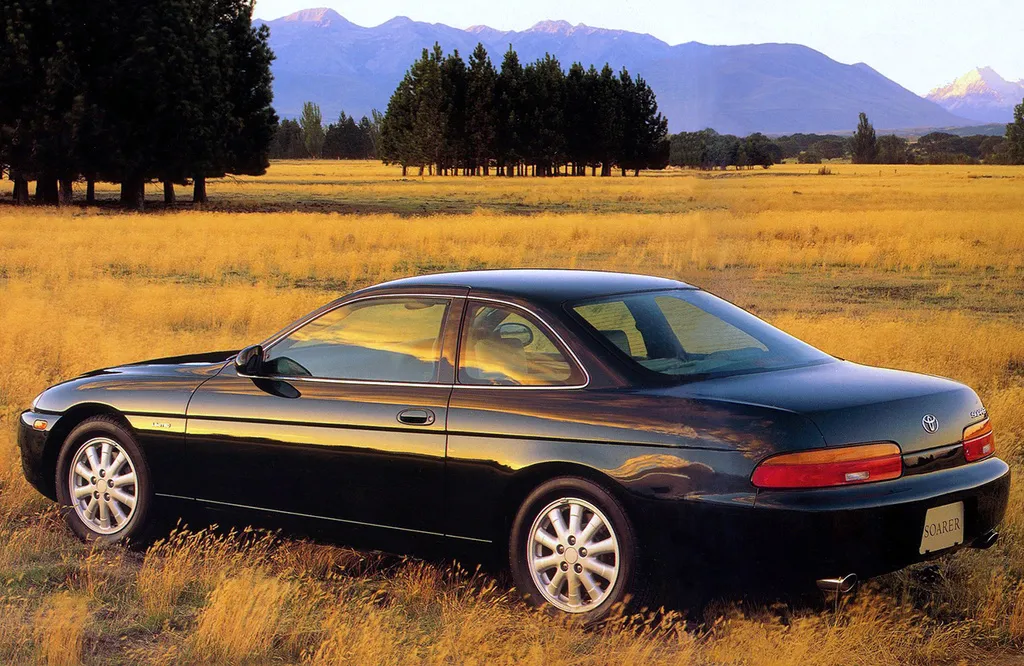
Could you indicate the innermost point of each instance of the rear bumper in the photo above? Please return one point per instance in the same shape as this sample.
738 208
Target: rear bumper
32 443
790 536
874 528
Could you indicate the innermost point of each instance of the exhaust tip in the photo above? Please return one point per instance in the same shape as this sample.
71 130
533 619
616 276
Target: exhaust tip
841 585
986 540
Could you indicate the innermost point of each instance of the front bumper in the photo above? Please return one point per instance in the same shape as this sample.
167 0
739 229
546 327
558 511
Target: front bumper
36 460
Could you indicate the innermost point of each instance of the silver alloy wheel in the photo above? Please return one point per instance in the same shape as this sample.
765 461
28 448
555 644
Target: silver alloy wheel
573 554
103 487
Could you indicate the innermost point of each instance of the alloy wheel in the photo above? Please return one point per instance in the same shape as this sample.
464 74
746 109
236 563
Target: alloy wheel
103 485
573 555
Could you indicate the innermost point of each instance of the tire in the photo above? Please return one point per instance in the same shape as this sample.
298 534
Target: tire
119 506
603 581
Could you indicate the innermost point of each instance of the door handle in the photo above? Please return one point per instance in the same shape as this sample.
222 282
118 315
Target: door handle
421 417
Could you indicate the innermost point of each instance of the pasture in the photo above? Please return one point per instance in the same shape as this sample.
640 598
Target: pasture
914 267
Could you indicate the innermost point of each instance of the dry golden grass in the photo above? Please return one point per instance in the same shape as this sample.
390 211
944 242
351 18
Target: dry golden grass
920 268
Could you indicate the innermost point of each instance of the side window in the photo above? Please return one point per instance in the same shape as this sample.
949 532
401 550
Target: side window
504 347
615 322
386 339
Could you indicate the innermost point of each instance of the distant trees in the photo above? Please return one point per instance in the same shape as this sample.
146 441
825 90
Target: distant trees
707 149
175 91
535 119
308 138
864 145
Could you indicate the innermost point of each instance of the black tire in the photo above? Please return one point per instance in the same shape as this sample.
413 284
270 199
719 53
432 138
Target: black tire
628 590
109 428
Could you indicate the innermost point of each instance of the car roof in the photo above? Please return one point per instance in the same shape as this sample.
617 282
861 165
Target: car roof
551 286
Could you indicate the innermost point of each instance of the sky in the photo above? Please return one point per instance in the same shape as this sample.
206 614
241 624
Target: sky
919 44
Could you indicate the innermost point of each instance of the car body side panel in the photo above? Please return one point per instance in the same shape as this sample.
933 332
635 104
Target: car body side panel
659 448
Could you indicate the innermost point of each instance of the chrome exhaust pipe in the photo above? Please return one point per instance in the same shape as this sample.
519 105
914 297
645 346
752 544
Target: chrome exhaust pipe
986 540
840 585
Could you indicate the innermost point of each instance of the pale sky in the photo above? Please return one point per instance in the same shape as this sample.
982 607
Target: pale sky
919 44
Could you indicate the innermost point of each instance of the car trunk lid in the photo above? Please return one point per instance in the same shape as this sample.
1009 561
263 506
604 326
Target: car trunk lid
855 404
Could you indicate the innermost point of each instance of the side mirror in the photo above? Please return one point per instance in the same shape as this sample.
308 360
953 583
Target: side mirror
250 361
516 331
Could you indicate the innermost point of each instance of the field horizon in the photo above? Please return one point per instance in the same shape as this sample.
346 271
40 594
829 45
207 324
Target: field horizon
915 267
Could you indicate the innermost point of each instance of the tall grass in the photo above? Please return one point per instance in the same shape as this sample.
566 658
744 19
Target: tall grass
916 268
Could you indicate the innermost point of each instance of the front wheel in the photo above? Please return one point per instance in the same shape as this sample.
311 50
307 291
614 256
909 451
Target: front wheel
573 549
103 482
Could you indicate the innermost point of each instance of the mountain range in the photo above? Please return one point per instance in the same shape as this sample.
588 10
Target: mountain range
772 88
980 94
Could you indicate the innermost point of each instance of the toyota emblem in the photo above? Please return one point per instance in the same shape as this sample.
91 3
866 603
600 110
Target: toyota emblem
930 423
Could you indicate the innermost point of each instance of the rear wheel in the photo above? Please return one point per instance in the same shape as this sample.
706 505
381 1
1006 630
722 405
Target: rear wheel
103 482
573 549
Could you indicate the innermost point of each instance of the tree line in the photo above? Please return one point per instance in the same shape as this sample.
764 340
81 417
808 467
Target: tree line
343 140
449 116
128 92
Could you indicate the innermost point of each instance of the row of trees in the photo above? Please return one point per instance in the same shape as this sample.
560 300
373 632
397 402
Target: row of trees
342 140
129 92
450 116
864 147
707 149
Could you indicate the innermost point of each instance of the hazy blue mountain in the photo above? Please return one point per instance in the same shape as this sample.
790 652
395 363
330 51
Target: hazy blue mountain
981 95
737 89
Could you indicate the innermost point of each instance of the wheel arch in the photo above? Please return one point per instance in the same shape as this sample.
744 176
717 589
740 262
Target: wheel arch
68 421
528 479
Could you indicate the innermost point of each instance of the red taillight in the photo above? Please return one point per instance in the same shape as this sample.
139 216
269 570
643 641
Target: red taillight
979 441
824 468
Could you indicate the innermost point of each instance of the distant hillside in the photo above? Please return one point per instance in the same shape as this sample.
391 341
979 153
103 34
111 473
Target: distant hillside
981 95
777 88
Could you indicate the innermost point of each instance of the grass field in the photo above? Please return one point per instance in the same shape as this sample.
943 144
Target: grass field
919 268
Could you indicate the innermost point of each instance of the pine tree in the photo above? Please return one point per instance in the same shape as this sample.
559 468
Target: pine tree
397 129
481 130
454 88
509 102
864 144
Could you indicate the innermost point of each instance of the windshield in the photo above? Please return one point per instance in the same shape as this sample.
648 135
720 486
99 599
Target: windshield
692 333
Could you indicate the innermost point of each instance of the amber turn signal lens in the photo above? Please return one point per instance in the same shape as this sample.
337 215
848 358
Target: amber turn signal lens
979 441
824 468
40 424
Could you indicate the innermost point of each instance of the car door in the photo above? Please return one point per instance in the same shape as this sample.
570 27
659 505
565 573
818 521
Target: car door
346 422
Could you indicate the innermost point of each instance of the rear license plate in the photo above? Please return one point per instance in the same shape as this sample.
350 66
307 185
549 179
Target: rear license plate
943 528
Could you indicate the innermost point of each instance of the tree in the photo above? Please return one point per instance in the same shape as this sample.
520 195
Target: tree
313 135
398 125
509 113
608 111
1015 136
758 150
481 130
454 87
643 127
893 150
863 144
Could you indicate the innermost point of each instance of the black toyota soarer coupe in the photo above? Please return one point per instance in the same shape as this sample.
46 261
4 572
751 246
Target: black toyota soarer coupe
604 428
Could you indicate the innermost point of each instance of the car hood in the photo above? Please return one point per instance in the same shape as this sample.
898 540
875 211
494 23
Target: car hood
190 364
854 404
161 386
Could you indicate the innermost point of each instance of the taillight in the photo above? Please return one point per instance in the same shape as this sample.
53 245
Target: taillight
979 441
823 468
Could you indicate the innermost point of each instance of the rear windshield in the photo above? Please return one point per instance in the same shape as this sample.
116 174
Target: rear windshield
688 333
